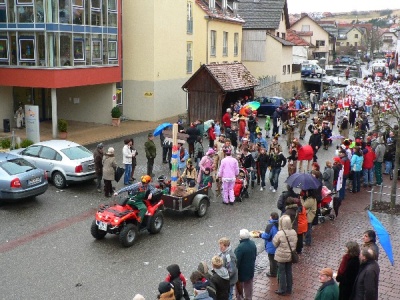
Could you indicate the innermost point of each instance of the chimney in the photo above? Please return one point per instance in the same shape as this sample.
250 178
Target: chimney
235 8
224 5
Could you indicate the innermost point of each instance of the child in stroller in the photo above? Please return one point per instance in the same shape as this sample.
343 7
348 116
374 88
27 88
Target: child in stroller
241 185
324 207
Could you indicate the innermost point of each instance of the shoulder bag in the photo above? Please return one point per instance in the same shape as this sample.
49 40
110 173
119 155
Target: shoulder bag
295 256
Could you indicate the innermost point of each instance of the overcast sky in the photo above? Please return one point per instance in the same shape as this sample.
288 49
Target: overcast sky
298 6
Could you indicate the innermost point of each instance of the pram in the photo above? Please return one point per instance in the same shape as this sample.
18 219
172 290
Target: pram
324 207
241 185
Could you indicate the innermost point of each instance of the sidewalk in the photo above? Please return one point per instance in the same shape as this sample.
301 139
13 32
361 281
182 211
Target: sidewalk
327 249
91 133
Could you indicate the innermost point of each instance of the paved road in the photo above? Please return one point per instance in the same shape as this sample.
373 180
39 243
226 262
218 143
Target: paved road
47 252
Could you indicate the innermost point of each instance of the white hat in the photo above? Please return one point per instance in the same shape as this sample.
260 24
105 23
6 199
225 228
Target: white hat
138 297
244 234
110 151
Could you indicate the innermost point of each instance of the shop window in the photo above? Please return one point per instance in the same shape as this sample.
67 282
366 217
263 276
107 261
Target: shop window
96 50
27 49
79 54
65 11
3 49
112 50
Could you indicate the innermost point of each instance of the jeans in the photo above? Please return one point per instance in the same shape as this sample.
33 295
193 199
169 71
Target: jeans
99 177
285 277
343 189
368 176
274 176
275 130
252 136
127 174
356 181
262 175
308 238
378 172
388 166
273 264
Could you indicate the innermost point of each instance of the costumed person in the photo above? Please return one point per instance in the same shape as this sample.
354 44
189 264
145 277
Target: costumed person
242 127
302 121
303 153
235 120
190 173
292 159
226 118
207 162
289 128
267 126
227 173
139 191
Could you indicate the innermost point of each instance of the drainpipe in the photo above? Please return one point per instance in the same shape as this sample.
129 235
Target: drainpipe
207 42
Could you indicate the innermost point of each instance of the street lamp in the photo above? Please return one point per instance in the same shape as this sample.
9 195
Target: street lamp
322 62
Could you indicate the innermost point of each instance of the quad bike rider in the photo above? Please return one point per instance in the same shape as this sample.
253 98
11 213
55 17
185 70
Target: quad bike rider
138 192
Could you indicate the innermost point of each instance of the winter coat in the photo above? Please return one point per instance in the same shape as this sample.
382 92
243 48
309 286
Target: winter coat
193 133
198 150
230 262
126 155
277 161
328 291
150 149
369 158
302 222
220 279
346 275
291 211
109 166
246 254
203 296
366 284
380 152
175 278
283 253
98 161
229 168
167 295
346 166
310 204
268 235
356 162
183 156
281 203
275 116
327 176
315 141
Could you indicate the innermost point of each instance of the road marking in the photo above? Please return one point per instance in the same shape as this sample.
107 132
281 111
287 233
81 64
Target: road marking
8 246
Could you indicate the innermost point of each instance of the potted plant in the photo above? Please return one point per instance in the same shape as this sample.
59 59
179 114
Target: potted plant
62 126
116 116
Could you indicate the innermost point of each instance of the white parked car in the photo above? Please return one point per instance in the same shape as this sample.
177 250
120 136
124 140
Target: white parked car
64 161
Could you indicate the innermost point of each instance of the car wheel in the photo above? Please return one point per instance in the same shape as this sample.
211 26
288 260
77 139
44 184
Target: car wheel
59 180
128 235
96 233
156 223
202 208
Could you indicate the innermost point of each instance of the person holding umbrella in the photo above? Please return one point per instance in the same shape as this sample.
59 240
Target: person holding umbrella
310 204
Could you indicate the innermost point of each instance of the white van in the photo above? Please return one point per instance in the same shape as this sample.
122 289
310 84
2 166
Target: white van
311 68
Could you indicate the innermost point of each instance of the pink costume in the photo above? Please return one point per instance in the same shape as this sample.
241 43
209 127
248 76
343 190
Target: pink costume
228 170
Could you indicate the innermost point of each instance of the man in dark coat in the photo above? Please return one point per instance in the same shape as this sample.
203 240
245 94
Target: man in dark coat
246 254
315 143
98 165
366 284
193 133
276 119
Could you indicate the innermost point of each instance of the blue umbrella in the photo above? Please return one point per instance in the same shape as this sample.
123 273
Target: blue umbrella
383 235
160 128
303 181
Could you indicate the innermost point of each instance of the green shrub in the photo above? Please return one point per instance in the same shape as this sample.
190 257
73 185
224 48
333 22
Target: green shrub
62 125
6 143
26 143
116 112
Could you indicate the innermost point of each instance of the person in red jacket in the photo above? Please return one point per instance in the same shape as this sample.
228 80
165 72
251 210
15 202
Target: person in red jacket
226 118
346 171
211 135
368 165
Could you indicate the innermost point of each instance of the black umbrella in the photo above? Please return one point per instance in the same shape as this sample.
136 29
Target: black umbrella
303 181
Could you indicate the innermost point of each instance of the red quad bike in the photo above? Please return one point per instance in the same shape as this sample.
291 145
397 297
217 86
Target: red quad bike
122 219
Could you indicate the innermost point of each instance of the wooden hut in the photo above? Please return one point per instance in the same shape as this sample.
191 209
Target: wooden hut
214 87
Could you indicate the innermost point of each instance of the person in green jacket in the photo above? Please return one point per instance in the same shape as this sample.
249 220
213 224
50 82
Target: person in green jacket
329 290
267 126
151 152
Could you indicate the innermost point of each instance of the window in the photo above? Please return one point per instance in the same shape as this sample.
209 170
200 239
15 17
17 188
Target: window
284 70
213 42
65 49
236 44
112 13
112 50
288 69
3 48
189 57
79 53
96 50
355 44
284 36
48 153
356 35
95 13
305 28
27 48
112 5
3 12
277 33
64 11
25 11
189 26
225 44
338 44
320 43
78 7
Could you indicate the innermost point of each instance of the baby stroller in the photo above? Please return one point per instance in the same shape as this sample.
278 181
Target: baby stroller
241 185
325 207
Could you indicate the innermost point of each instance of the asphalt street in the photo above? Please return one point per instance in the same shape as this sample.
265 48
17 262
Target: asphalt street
47 251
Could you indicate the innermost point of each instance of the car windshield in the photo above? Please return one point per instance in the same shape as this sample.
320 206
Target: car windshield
16 166
77 152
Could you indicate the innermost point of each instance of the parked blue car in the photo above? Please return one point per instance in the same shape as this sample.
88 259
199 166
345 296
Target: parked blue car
269 105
